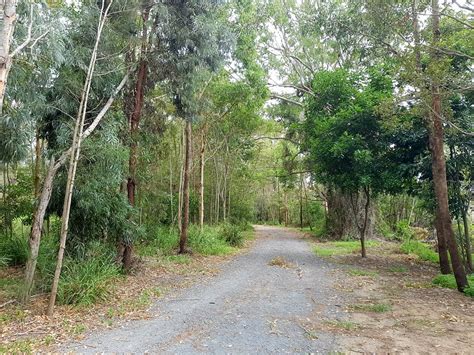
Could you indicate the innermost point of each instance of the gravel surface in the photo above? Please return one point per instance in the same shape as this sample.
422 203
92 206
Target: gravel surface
250 307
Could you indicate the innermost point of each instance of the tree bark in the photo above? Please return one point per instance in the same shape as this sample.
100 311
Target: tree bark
37 169
9 15
436 139
183 238
467 239
201 178
37 227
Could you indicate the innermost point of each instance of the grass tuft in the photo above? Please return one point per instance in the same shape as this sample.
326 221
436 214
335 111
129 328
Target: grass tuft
357 272
375 307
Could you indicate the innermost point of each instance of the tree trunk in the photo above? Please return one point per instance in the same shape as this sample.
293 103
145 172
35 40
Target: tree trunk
37 169
8 14
436 136
445 268
467 239
201 178
183 238
74 158
37 227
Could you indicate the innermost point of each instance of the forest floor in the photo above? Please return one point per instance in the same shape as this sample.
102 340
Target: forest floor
276 295
392 305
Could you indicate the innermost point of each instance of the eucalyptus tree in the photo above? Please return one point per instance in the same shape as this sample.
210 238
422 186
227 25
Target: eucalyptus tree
92 94
192 39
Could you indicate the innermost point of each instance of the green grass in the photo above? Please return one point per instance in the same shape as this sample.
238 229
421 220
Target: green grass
89 278
212 240
376 307
448 281
341 247
358 272
422 250
398 268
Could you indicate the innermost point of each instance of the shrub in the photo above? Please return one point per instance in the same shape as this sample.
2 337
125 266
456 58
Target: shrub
232 235
422 250
89 278
14 250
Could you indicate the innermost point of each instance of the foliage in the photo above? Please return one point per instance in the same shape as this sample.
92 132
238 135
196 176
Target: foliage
448 281
89 277
422 250
232 234
14 249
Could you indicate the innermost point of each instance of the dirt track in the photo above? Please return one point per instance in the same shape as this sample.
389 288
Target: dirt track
251 306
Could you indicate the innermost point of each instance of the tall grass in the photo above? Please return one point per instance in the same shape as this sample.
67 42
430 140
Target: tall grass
88 277
14 249
211 240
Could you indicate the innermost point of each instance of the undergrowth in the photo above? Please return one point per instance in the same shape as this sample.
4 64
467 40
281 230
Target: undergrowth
422 250
341 247
448 281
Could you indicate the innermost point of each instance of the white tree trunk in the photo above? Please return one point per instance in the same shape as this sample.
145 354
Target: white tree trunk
8 18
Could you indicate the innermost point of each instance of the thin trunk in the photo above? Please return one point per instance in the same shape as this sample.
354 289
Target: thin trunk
45 195
36 228
171 189
301 201
187 168
436 136
181 179
74 158
8 15
467 240
37 169
201 179
134 121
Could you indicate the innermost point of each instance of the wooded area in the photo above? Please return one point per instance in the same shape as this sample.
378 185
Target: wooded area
138 127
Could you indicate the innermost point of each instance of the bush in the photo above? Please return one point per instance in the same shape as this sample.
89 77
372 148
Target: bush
89 278
423 251
232 234
14 250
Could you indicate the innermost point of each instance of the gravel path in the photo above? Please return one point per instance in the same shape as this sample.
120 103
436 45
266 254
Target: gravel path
250 307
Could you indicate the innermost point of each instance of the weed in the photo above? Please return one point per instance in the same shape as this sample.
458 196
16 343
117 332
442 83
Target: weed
357 272
17 347
371 307
232 235
422 250
398 268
